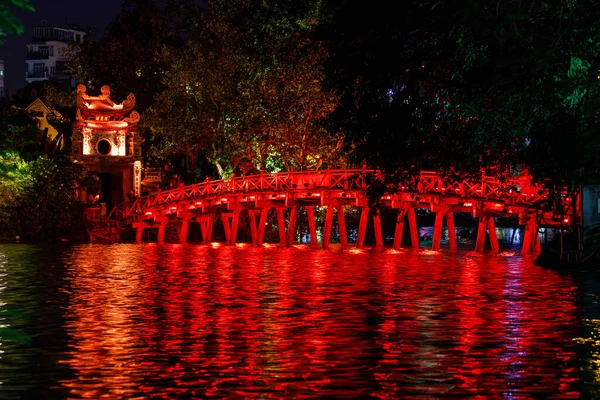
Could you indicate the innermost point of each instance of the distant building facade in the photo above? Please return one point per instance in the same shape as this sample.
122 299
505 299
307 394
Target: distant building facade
2 91
47 54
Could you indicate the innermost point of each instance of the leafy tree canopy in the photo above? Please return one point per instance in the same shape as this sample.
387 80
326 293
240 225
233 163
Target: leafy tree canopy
468 84
9 23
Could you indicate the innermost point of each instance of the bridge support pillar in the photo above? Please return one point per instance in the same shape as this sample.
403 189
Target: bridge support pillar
206 224
281 227
226 226
493 236
292 225
161 228
451 230
486 221
235 221
377 229
209 227
531 239
412 224
310 213
252 220
481 227
399 229
203 221
328 223
362 227
185 224
342 225
437 228
261 225
139 230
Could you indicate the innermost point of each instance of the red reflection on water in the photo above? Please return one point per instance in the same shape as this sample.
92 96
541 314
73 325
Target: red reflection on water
166 321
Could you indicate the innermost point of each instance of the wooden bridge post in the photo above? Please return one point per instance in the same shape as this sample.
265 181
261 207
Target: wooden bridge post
262 222
311 225
437 228
527 236
537 245
210 219
399 229
139 230
451 230
226 226
185 223
327 229
362 227
161 230
342 225
281 226
252 220
209 226
292 225
377 229
412 224
531 240
481 228
492 232
235 220
203 221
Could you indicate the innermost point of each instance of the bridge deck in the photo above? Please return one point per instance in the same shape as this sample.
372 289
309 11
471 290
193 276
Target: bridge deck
485 198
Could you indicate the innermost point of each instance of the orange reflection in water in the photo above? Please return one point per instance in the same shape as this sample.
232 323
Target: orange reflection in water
165 321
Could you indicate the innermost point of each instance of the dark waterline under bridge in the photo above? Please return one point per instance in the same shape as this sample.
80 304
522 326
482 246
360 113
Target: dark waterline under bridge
203 203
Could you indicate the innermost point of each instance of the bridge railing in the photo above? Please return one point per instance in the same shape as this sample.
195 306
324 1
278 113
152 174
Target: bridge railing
513 190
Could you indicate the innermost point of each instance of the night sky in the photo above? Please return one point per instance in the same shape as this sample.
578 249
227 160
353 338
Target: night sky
96 14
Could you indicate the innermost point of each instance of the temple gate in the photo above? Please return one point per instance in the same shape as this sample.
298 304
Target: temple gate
105 140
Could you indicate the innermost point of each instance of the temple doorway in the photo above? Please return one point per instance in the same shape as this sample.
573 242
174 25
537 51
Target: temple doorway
106 189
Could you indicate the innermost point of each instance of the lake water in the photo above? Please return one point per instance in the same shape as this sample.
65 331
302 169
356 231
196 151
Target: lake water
173 321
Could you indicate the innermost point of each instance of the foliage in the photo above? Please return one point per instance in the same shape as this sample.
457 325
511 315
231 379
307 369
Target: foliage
284 107
126 56
50 208
9 23
18 133
193 113
37 191
245 93
467 84
15 181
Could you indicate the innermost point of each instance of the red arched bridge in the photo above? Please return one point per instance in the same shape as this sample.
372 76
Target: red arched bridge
203 203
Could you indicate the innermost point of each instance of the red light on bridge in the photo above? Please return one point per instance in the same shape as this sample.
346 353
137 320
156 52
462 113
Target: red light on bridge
282 195
468 204
251 197
317 194
566 220
198 203
148 212
224 200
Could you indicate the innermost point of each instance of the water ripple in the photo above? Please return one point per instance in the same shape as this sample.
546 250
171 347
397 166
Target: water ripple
171 321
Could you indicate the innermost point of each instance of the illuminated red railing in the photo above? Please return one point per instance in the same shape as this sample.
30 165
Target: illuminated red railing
514 191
